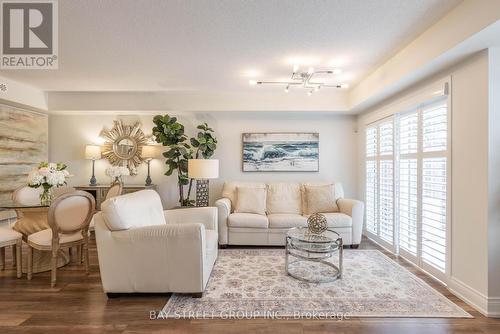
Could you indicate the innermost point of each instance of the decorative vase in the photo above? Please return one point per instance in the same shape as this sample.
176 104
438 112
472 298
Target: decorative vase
46 197
118 179
317 223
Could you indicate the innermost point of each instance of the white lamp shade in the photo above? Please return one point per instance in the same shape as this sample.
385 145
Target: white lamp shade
92 152
149 152
203 168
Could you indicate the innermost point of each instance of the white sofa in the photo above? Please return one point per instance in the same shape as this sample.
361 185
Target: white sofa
143 248
285 209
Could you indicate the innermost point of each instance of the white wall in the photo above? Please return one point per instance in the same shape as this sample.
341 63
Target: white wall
68 135
470 192
494 178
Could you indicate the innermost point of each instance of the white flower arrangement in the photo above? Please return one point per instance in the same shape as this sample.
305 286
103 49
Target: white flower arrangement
48 175
117 171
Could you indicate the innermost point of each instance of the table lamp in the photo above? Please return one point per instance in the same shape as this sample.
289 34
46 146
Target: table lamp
93 152
148 153
202 170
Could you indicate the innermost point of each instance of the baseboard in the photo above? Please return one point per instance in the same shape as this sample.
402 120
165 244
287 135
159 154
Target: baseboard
488 306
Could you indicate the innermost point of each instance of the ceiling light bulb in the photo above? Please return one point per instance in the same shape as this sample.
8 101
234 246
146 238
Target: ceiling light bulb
295 68
252 82
317 88
310 70
344 85
337 71
309 93
286 89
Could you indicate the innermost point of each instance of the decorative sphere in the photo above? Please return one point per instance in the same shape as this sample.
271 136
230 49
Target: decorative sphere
316 223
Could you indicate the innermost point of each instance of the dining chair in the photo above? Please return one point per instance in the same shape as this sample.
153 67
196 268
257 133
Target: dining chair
23 195
68 217
26 195
115 190
9 237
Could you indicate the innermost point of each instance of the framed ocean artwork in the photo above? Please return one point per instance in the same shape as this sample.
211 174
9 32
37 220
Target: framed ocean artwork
281 152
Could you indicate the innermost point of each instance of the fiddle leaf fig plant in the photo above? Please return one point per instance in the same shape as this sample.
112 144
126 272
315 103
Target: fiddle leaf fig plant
170 133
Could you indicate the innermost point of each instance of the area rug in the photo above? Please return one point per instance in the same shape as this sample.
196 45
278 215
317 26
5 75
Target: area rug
254 284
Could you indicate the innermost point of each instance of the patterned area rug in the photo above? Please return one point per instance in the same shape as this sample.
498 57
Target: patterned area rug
254 284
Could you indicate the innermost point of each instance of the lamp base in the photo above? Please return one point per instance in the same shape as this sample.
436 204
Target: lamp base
201 192
93 181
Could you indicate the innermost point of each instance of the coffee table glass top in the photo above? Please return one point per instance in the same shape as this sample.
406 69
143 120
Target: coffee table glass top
301 239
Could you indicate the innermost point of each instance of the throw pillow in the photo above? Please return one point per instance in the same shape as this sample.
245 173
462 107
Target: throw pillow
250 200
320 199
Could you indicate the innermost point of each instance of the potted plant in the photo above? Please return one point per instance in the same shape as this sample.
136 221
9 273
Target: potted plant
170 133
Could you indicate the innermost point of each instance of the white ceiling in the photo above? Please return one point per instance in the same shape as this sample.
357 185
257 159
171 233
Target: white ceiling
212 48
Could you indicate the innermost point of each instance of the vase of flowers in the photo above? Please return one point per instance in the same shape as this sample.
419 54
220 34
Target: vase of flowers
116 173
48 175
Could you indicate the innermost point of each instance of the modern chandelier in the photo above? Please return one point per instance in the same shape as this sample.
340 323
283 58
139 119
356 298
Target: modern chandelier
305 80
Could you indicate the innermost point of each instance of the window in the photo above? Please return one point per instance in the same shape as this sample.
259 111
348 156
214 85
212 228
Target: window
407 184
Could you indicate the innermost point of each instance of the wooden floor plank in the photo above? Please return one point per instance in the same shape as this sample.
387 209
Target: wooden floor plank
78 305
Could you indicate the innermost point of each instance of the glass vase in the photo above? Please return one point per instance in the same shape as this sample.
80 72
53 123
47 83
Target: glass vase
118 179
46 197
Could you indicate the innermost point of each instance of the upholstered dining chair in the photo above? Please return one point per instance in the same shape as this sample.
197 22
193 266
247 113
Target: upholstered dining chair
116 189
9 237
69 217
26 195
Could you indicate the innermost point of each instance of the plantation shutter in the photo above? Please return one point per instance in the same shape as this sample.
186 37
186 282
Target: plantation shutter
434 185
371 180
408 182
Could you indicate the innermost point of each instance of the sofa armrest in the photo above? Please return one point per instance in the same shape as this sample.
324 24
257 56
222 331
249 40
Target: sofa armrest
203 215
224 210
355 209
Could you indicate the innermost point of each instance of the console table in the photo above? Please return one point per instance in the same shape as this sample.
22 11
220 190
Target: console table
99 191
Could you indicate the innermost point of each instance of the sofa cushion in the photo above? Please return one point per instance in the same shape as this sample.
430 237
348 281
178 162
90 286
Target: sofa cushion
250 200
284 198
286 220
229 190
138 209
247 220
337 219
337 188
320 199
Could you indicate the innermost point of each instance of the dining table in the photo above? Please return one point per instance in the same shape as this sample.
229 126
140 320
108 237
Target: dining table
32 218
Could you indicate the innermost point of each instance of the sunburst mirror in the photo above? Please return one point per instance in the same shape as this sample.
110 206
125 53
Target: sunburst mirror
123 145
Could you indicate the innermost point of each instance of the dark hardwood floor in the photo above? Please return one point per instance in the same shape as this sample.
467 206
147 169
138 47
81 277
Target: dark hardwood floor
78 305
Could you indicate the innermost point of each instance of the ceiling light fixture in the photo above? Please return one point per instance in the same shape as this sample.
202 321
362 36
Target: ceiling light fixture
305 80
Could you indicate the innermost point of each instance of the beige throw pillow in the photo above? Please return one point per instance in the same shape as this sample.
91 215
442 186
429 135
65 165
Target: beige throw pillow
250 200
320 199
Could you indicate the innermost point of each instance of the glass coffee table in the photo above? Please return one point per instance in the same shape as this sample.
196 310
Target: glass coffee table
311 252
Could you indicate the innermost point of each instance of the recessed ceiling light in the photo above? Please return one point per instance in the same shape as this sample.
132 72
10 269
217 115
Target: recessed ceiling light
252 82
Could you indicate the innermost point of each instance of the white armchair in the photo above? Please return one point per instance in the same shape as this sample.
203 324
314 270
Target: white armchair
142 248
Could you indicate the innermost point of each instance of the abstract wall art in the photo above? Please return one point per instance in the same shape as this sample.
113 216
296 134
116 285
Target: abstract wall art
23 145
